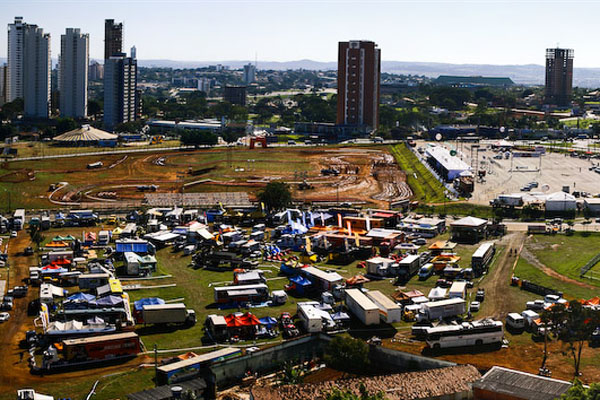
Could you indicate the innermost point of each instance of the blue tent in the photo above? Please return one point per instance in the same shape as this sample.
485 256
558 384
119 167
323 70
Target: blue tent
82 297
300 284
269 322
139 305
109 300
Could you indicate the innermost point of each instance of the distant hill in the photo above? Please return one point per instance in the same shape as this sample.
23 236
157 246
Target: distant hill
530 74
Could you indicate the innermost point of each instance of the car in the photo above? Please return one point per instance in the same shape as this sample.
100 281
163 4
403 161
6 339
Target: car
480 296
6 305
533 184
4 316
28 251
291 142
474 306
525 189
443 283
536 305
420 242
13 234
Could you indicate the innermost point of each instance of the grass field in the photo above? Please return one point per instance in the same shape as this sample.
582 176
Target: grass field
566 254
425 186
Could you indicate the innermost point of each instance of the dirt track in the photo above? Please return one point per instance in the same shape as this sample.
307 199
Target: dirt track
14 373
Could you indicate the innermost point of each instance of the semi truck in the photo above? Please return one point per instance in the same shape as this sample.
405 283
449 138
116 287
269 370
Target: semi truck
435 310
362 307
73 353
19 219
389 311
409 266
174 313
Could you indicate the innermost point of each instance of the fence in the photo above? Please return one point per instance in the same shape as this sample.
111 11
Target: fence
590 264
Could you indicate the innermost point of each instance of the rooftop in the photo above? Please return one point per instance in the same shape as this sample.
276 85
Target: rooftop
527 386
433 383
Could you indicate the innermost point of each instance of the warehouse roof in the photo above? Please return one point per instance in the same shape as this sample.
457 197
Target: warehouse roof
469 222
443 157
521 384
164 392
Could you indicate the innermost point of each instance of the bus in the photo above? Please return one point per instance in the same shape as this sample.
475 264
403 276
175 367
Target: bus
482 257
476 333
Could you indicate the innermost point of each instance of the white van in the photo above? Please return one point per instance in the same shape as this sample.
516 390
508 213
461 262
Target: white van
529 316
515 321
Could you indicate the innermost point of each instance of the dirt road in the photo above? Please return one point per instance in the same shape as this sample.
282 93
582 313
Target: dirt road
498 280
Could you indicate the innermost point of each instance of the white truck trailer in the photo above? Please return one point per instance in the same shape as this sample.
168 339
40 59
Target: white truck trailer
389 311
174 313
363 308
442 309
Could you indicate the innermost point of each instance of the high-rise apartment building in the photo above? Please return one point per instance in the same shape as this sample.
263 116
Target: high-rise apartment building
36 72
28 68
113 38
559 76
73 82
249 73
120 90
96 71
359 67
3 70
14 80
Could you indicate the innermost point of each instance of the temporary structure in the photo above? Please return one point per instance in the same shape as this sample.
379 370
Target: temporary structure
85 135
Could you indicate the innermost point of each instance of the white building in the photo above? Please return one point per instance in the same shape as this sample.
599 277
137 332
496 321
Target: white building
28 73
448 166
120 90
74 59
249 73
14 85
204 85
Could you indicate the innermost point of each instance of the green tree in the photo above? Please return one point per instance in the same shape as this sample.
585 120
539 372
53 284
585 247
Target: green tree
291 374
65 125
551 317
35 233
198 138
337 394
347 354
578 392
576 329
276 196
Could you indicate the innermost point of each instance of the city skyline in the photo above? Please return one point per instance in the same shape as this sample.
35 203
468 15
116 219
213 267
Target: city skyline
486 32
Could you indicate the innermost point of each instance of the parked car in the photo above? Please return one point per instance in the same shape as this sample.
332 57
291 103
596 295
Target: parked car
536 305
480 296
420 242
474 306
443 283
28 251
4 316
13 234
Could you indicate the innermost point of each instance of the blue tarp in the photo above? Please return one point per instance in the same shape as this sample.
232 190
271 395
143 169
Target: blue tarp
139 305
84 297
300 281
133 247
269 322
109 301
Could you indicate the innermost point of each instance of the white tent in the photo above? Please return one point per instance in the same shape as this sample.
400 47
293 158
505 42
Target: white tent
560 201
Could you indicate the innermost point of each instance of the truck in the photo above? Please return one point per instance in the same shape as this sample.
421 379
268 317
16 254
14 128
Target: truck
314 319
86 351
435 310
458 290
19 219
389 311
409 266
362 307
426 271
162 314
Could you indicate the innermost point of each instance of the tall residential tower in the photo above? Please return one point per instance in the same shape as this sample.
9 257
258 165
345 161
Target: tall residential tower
120 84
359 67
113 38
559 76
74 59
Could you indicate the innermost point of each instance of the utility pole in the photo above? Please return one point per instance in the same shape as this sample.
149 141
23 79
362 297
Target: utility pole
155 365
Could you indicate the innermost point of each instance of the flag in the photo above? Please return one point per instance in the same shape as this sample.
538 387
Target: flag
312 219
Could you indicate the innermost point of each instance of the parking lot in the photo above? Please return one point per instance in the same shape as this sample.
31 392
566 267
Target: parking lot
552 173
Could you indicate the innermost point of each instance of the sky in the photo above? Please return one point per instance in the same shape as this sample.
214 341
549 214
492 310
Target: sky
461 32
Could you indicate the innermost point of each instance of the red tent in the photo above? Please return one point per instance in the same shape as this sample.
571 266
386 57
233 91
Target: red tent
239 320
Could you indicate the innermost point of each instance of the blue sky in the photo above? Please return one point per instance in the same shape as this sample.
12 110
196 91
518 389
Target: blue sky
482 32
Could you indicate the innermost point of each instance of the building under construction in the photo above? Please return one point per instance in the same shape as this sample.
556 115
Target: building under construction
559 76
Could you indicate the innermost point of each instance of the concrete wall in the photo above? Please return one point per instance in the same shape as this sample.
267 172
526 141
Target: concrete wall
269 359
399 361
